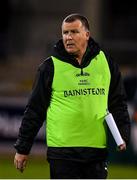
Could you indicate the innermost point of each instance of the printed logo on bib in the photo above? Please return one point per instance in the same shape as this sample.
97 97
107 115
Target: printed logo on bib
85 91
83 74
83 82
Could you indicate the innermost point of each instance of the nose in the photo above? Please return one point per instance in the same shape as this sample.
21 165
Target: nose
69 35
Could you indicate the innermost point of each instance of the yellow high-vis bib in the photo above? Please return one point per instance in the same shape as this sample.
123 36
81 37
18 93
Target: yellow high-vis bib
79 100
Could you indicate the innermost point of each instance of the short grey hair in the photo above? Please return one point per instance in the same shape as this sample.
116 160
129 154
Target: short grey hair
73 17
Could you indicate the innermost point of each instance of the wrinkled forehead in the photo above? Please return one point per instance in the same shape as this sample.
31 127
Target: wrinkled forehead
72 25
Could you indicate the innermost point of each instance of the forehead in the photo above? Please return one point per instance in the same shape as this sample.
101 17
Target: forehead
72 25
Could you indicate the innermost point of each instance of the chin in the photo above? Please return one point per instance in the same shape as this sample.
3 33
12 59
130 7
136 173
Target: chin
70 51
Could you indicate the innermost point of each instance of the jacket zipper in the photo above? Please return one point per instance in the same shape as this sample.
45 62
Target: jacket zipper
81 71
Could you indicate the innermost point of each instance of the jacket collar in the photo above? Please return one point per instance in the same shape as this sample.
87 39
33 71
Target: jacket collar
60 53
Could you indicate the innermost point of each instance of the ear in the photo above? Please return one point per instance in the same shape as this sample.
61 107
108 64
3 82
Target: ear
87 35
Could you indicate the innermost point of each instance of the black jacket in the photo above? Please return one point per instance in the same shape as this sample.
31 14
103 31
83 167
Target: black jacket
39 100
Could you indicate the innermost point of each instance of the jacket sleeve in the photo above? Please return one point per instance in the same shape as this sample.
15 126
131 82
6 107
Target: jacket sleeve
117 104
35 111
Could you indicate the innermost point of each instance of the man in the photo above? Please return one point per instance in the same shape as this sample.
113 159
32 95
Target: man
72 91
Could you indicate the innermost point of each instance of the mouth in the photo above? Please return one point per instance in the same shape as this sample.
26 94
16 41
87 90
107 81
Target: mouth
70 45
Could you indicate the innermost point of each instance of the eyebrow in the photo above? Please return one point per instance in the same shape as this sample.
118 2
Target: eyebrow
71 30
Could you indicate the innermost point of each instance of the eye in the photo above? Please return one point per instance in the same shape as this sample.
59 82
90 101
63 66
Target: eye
65 32
75 31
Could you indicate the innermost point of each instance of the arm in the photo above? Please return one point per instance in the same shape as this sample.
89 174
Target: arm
35 112
117 104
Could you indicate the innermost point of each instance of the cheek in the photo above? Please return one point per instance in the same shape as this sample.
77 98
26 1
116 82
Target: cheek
82 38
82 42
63 38
64 41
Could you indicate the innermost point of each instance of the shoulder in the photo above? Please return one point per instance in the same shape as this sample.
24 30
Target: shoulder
113 65
46 65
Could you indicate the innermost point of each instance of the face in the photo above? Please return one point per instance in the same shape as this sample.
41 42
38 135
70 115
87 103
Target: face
75 37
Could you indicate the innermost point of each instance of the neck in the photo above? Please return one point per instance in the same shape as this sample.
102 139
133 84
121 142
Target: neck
79 59
80 55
